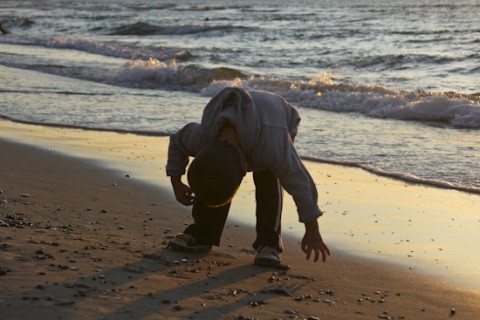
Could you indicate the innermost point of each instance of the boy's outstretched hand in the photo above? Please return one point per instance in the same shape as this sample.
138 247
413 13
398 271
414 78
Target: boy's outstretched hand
312 241
183 193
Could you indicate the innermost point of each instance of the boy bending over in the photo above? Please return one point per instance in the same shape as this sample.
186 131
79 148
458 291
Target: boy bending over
243 131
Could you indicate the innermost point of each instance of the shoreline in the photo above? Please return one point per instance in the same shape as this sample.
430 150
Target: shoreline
402 177
77 202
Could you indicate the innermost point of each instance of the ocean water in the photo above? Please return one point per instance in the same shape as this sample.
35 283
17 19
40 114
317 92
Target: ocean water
392 87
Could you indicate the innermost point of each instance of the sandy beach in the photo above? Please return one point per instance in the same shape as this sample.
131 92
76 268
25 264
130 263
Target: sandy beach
84 220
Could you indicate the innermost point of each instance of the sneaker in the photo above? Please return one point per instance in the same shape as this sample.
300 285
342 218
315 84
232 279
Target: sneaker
267 256
186 242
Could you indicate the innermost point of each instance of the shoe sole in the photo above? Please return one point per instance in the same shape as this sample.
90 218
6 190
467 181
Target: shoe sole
267 262
271 263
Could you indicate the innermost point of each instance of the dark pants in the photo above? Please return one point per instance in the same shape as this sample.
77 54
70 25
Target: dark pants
209 222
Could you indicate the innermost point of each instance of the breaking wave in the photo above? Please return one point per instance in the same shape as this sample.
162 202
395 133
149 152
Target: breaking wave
461 111
153 73
110 49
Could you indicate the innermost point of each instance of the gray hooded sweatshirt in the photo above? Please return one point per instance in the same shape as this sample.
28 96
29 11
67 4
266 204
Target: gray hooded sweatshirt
266 126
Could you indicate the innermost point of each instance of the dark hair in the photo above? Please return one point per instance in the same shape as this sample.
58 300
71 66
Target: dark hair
215 174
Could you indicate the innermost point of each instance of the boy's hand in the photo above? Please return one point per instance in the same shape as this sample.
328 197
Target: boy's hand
312 241
183 193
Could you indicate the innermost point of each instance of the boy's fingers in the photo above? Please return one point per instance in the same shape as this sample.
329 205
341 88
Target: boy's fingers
309 252
185 200
325 252
316 255
324 255
304 247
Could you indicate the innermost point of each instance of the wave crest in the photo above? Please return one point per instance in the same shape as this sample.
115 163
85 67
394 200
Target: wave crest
154 73
110 49
371 100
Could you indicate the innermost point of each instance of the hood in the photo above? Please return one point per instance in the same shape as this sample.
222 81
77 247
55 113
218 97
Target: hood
237 106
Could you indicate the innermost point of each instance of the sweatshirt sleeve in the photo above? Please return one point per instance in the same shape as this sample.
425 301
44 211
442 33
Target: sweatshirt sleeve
292 174
187 142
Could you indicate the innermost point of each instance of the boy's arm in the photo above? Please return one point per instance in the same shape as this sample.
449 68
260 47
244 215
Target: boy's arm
183 144
281 157
297 181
